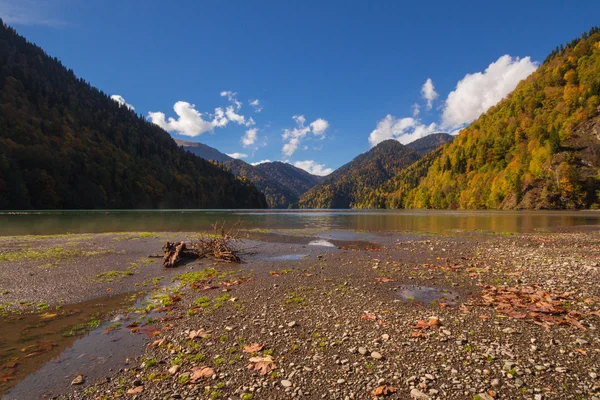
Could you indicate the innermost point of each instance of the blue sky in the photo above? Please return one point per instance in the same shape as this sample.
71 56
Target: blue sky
332 78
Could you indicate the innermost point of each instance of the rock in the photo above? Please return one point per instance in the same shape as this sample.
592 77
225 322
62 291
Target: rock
509 330
376 355
173 370
340 381
135 390
291 324
485 396
495 382
430 377
362 350
79 379
508 365
562 370
416 394
286 383
385 337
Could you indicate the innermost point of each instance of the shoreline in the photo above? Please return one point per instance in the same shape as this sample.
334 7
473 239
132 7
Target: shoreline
319 307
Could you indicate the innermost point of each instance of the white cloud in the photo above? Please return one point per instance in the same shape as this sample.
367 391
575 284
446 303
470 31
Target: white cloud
121 100
476 93
191 122
261 162
237 155
256 105
237 118
319 126
295 135
188 123
428 93
250 137
404 130
290 147
416 109
313 167
232 97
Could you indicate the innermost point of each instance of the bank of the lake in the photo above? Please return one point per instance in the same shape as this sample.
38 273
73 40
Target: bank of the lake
335 315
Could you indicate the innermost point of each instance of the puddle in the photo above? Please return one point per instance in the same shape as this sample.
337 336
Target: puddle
40 354
321 242
427 294
287 257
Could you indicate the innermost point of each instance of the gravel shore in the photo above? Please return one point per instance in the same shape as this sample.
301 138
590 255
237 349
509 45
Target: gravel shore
464 316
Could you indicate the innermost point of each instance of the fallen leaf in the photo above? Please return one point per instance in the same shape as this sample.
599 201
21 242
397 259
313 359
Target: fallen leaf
367 316
433 322
418 334
48 315
273 273
263 365
382 280
201 333
135 390
384 390
160 342
421 325
253 348
201 372
581 351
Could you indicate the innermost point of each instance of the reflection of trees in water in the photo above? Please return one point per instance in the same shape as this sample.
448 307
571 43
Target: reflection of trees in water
381 220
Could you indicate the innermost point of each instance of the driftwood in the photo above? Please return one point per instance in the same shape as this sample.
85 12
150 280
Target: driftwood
217 246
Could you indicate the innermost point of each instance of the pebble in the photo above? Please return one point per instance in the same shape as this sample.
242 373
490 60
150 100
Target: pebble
376 355
485 396
286 383
362 350
340 381
79 379
385 337
416 394
291 324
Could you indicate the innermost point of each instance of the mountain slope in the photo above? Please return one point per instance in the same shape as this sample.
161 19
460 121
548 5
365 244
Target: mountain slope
66 145
282 183
429 143
203 151
296 179
538 148
348 184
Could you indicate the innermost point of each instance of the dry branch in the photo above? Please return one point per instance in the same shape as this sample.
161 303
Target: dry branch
217 246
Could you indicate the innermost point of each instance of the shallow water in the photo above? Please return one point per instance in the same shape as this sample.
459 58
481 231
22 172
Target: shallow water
43 354
427 295
434 221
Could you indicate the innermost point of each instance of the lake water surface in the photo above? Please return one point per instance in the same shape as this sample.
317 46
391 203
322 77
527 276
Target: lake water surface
58 222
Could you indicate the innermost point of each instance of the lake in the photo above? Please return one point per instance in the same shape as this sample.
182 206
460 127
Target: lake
433 221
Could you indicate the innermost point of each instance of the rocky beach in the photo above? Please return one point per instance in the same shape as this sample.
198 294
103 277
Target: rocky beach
308 314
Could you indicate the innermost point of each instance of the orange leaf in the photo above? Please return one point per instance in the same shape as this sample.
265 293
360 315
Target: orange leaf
199 333
581 351
383 280
136 390
367 316
383 390
201 372
253 348
263 365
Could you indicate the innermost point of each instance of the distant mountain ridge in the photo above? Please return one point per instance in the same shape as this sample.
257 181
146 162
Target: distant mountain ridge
203 151
346 185
282 183
66 145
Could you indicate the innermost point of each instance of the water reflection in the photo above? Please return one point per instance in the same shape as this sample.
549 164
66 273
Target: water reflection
374 220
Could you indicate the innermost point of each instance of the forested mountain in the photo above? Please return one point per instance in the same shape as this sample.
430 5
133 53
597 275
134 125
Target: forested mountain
203 151
349 183
66 145
538 148
429 143
282 183
296 179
